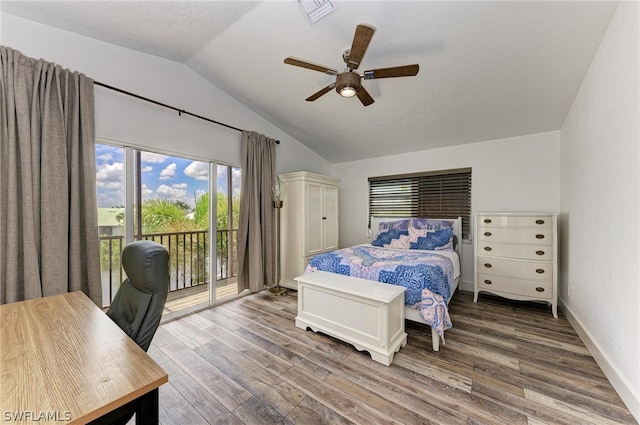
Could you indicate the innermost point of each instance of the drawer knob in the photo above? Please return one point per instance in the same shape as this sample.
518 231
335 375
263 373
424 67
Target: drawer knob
487 248
540 289
487 233
487 281
539 221
487 265
539 271
539 236
487 220
540 252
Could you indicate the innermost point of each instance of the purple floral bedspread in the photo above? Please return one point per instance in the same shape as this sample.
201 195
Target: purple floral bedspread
427 277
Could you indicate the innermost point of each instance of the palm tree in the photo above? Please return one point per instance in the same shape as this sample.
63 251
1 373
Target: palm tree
162 215
201 212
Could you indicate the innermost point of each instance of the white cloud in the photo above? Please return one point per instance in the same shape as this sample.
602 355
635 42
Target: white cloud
154 158
198 170
147 169
175 192
110 198
236 180
169 172
146 192
107 157
110 176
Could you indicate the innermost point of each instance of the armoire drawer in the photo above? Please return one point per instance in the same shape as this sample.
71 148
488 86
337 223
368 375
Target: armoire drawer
523 235
516 268
539 222
531 288
527 252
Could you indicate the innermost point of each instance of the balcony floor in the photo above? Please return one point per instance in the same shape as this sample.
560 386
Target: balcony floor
186 298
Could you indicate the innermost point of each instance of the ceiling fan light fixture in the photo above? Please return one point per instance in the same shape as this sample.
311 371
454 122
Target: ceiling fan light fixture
348 84
348 91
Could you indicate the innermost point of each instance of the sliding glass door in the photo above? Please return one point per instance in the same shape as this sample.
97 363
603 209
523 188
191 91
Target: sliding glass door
166 198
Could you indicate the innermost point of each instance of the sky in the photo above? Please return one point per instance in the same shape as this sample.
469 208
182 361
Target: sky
163 177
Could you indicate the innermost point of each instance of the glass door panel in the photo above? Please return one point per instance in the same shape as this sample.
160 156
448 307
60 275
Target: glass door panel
227 216
110 185
173 195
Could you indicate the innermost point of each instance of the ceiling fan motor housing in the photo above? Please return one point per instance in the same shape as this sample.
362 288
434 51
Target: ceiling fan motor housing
347 79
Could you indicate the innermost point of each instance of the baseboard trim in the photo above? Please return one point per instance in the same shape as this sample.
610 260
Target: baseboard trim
619 383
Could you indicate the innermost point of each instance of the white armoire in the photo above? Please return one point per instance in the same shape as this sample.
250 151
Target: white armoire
308 221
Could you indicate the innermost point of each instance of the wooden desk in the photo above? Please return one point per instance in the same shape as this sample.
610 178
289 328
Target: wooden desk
63 361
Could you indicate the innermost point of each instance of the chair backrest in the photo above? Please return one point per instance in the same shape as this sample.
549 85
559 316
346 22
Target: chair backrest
138 304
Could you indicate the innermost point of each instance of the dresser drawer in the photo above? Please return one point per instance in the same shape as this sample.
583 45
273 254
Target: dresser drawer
531 288
523 235
540 222
527 252
516 268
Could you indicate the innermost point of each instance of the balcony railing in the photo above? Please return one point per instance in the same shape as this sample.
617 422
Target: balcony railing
188 259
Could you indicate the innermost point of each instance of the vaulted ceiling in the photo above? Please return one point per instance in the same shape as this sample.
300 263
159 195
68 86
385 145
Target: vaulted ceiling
488 70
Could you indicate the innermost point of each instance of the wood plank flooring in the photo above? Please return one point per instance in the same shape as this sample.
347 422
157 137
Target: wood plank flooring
504 362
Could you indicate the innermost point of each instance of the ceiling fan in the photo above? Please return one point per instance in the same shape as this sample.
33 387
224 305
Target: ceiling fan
348 82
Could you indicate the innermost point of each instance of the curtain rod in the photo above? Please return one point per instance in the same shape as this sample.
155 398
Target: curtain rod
180 111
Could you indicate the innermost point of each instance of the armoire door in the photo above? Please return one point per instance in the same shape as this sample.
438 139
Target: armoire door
314 227
330 218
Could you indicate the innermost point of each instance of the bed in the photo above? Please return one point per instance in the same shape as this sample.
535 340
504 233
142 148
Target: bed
421 254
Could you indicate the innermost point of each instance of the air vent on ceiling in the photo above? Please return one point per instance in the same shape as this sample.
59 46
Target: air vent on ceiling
315 9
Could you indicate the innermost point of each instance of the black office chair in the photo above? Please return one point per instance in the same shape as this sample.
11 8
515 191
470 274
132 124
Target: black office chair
138 304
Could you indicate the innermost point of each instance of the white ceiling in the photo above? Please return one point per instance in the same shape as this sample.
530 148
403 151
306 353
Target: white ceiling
488 70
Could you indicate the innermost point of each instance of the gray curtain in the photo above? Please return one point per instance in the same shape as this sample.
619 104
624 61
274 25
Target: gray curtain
256 228
48 217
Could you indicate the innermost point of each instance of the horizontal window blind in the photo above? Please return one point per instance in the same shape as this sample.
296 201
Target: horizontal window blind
436 194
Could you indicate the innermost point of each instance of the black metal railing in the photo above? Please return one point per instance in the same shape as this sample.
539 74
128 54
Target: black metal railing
188 258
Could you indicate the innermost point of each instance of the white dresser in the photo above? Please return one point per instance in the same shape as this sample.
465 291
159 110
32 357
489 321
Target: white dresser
516 256
308 221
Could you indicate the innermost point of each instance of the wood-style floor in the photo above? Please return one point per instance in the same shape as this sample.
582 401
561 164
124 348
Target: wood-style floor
504 362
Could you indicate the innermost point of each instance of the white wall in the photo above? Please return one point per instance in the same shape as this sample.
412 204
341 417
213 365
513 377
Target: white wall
599 273
510 175
129 120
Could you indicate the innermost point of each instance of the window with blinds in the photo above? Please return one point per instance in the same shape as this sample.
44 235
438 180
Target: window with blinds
435 194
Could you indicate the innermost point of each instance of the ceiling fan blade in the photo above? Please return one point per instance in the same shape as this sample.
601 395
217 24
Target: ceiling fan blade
321 92
309 65
364 96
398 71
359 46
